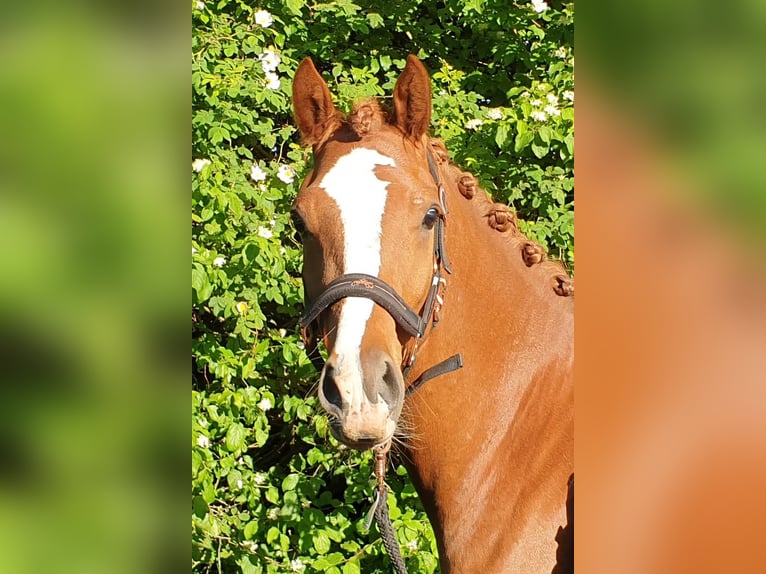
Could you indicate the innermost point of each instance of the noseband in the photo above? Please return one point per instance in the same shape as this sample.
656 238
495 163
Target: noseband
380 292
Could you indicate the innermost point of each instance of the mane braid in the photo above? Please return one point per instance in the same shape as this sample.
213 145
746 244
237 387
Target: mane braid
367 117
501 217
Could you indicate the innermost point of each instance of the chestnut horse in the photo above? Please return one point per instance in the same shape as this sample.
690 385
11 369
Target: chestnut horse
409 266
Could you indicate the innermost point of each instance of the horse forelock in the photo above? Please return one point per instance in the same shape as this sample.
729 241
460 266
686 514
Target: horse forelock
367 117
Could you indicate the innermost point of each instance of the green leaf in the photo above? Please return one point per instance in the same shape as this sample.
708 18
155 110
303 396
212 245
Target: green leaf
501 135
251 528
217 134
235 437
201 285
375 20
540 150
272 495
475 5
208 492
321 542
295 6
272 534
523 139
199 506
290 482
261 436
545 134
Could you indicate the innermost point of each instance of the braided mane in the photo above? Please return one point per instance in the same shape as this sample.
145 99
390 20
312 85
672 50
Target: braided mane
503 219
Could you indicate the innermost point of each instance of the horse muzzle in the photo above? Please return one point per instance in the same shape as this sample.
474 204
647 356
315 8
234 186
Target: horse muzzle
364 398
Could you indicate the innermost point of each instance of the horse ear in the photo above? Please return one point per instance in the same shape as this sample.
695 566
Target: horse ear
412 99
312 102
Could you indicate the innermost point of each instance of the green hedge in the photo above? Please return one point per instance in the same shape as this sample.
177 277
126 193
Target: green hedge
271 490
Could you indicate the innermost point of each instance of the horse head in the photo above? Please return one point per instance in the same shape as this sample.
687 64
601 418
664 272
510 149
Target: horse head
370 214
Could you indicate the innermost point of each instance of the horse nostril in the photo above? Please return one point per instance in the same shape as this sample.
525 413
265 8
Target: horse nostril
330 388
391 389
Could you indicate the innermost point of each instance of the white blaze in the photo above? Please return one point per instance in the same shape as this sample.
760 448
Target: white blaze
361 199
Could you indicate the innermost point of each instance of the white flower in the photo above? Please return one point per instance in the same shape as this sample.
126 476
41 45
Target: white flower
199 5
561 53
257 174
412 545
265 404
249 545
300 345
272 81
202 422
240 484
199 164
552 99
260 478
539 6
219 261
265 232
283 333
203 441
286 173
296 565
536 103
269 60
568 95
272 514
241 307
194 250
539 116
525 94
495 114
263 18
473 124
552 111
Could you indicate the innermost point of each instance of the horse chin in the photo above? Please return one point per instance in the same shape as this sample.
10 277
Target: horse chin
360 442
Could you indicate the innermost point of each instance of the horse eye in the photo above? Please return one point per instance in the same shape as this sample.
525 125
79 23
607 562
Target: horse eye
432 216
298 224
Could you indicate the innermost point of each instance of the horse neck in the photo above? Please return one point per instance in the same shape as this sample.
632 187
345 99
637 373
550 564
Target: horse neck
513 333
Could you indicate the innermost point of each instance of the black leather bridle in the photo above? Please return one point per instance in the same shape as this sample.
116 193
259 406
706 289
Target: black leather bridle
374 288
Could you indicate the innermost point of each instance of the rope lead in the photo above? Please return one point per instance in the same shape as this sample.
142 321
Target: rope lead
382 519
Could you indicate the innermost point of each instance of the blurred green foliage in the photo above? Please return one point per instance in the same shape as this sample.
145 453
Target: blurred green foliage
687 74
91 338
271 490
